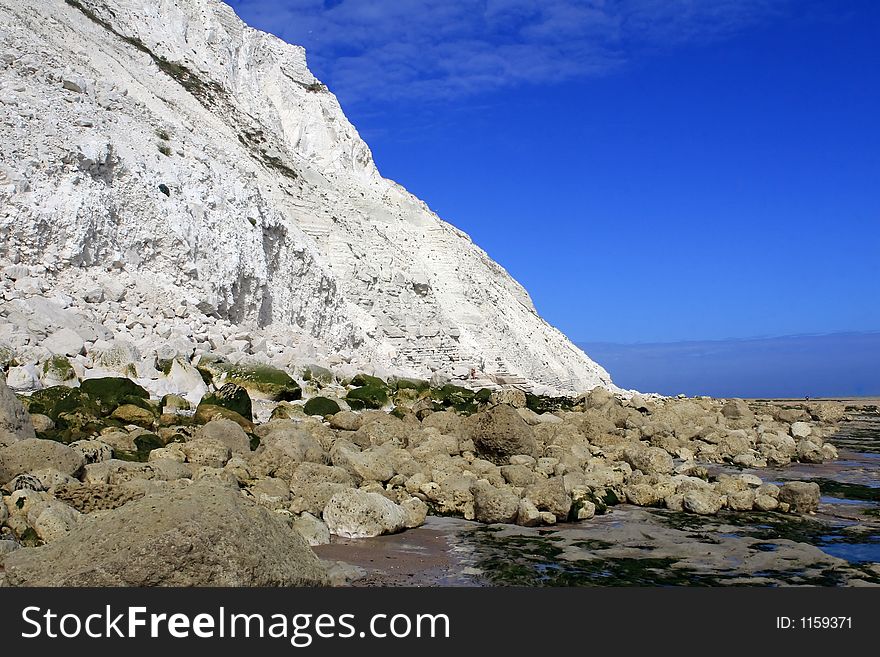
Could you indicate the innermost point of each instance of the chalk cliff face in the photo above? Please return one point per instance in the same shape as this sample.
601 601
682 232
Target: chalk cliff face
165 149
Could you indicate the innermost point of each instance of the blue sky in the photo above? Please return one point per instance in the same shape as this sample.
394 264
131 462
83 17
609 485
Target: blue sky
650 170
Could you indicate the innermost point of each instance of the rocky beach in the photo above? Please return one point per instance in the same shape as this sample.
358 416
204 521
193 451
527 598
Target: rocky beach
103 484
234 354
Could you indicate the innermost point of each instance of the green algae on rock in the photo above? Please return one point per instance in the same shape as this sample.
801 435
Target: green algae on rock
233 397
261 381
321 406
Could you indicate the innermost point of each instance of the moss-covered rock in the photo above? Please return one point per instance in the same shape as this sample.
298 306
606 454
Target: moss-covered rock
207 412
368 396
111 392
546 404
171 403
321 406
461 399
483 396
231 396
361 380
404 383
58 370
55 400
317 374
262 381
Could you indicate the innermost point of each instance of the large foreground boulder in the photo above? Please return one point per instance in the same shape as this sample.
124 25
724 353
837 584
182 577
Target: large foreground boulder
15 424
202 535
500 433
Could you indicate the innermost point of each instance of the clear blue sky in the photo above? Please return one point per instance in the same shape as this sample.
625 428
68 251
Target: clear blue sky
650 170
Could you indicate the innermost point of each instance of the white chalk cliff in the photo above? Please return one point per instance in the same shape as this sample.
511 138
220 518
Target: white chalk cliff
172 174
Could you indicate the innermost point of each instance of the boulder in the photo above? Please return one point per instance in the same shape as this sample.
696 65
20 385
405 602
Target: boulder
64 342
207 451
801 429
321 406
801 496
416 511
207 412
313 484
737 414
15 424
283 448
500 433
550 495
133 414
369 465
110 392
355 513
201 535
493 505
650 460
52 519
346 421
313 530
227 432
702 502
370 395
232 397
34 454
260 381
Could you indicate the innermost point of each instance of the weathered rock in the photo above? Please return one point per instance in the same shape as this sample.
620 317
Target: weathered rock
35 454
201 535
227 432
207 451
313 530
380 430
703 502
493 505
765 502
527 514
743 500
809 452
65 342
801 429
52 519
283 449
369 465
737 414
313 484
550 495
42 423
518 475
15 424
355 513
346 421
500 433
416 511
110 392
650 460
801 496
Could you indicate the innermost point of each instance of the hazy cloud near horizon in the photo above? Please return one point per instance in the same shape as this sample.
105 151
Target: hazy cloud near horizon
378 51
833 365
